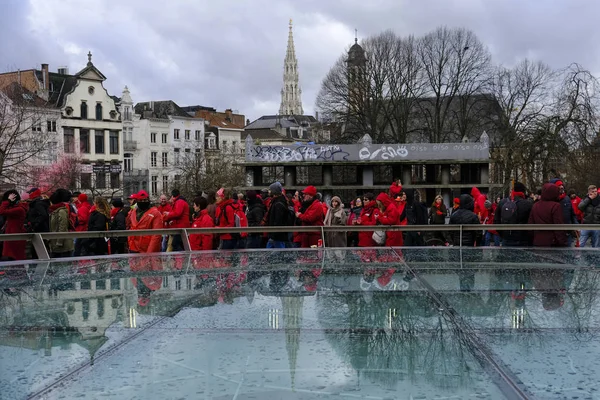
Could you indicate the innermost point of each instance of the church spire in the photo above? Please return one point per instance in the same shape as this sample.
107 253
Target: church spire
291 103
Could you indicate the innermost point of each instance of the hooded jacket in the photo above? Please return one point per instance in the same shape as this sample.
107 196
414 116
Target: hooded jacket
548 211
465 215
515 238
14 217
336 217
38 219
479 205
59 222
225 217
278 216
311 214
151 219
390 216
83 216
202 241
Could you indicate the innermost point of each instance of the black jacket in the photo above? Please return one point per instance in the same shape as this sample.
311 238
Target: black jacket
568 213
465 216
256 213
278 216
415 212
515 238
99 246
119 223
591 210
38 218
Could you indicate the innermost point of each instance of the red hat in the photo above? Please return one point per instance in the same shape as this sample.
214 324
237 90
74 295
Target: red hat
310 190
142 195
559 183
457 200
34 193
82 197
132 196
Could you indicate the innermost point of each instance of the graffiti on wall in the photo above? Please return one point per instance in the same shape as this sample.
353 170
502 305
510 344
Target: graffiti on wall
383 152
300 153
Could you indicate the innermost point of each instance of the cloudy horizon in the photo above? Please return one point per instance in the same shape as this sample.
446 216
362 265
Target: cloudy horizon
230 55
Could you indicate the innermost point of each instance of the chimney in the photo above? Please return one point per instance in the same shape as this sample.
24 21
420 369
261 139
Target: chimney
247 121
228 114
45 77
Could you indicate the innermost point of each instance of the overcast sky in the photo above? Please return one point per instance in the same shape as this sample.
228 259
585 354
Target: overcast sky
229 54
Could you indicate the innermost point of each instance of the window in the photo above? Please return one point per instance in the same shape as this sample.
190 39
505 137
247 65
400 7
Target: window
114 180
153 137
177 180
153 159
83 110
99 142
198 154
127 114
51 126
176 134
224 145
178 284
210 142
37 127
165 159
113 114
99 112
187 134
165 137
84 141
234 147
198 135
187 152
113 138
154 186
177 157
69 111
100 180
86 181
69 138
128 162
91 90
165 186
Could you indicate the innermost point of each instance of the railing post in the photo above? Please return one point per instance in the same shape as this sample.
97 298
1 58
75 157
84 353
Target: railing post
460 235
186 240
40 248
323 237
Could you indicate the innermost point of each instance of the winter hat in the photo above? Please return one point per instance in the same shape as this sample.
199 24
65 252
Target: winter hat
34 193
310 190
221 192
82 197
456 200
557 182
117 202
519 187
142 195
336 198
251 195
276 188
487 204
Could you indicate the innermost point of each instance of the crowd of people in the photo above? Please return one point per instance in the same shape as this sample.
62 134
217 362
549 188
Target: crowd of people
64 211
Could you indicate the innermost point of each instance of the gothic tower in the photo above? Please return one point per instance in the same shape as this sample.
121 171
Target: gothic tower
291 103
356 65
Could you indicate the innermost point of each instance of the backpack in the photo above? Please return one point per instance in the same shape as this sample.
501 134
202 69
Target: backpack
508 214
291 216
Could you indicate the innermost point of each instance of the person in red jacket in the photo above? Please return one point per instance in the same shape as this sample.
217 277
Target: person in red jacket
388 215
202 241
225 218
178 217
368 217
575 201
14 214
479 199
548 211
145 217
395 188
84 209
310 214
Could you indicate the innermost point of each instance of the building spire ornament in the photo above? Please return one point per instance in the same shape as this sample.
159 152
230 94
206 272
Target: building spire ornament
291 102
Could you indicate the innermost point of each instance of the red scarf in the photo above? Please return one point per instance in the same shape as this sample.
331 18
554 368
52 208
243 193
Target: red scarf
438 211
114 212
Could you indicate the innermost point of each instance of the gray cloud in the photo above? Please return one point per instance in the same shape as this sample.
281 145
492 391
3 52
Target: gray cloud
230 54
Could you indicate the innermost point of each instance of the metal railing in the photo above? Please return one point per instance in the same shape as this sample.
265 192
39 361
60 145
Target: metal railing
37 239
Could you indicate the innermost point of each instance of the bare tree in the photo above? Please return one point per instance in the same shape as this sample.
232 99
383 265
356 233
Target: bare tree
23 132
457 67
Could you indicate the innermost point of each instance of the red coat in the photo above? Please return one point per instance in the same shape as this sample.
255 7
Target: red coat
548 211
14 222
400 205
395 190
202 241
164 209
312 216
368 217
152 219
225 214
578 213
83 215
479 199
179 216
390 217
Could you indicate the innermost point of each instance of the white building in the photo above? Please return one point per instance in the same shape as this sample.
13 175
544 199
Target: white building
164 140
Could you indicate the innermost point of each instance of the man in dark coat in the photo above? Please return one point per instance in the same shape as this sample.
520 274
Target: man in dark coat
569 216
38 218
465 216
279 215
515 238
548 211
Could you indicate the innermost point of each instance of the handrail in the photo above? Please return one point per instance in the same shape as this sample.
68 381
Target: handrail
300 229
